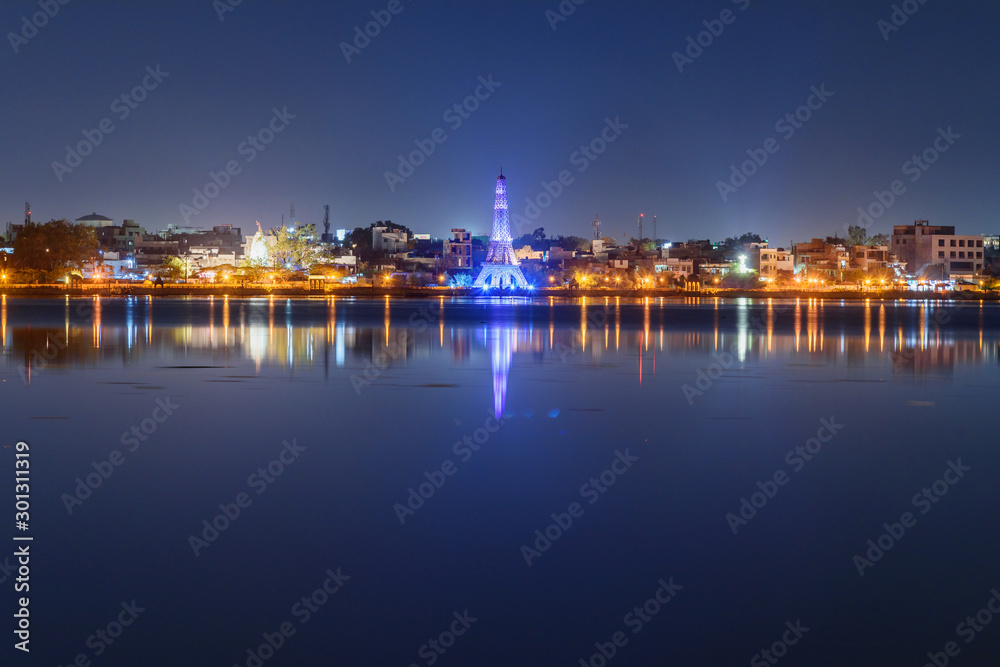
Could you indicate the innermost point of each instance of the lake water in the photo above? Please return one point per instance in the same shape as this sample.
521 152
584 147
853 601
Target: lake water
704 477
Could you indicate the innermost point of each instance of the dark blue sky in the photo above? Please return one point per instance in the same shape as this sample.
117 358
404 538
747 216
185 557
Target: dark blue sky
607 60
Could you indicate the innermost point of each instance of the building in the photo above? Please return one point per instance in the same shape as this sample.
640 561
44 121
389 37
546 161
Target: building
208 257
557 254
110 265
458 251
700 250
95 220
389 241
819 256
683 268
13 229
526 253
173 229
119 239
868 257
151 250
767 262
226 238
991 251
936 251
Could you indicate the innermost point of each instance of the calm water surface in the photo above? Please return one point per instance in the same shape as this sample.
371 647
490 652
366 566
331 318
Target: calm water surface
702 475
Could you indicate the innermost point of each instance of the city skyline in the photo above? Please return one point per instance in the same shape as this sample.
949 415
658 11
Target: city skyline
829 104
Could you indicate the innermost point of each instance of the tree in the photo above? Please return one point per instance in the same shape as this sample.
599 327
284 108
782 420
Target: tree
644 245
360 240
294 249
572 243
881 274
736 242
854 276
223 270
253 271
172 268
48 251
327 270
858 235
734 279
535 239
460 280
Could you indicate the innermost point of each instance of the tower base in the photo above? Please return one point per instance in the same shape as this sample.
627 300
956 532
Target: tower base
501 276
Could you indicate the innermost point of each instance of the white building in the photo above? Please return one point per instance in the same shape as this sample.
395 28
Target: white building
388 241
110 265
768 261
677 267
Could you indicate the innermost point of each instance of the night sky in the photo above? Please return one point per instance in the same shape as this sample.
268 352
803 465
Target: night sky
557 90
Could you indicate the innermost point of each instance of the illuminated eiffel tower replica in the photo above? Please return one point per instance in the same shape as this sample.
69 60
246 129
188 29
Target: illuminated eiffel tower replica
500 270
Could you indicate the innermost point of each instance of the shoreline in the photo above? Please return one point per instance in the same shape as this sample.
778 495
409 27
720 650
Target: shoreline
187 291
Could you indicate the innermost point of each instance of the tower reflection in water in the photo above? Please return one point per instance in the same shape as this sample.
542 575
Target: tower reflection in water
345 335
501 355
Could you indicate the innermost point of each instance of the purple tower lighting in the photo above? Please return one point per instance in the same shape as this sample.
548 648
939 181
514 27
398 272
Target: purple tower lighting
501 269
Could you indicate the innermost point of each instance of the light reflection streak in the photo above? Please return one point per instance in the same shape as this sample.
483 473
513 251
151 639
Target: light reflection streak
502 344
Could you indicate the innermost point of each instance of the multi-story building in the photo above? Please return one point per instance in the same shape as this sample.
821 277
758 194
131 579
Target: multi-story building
152 250
202 258
458 251
936 251
119 239
991 250
679 267
821 256
388 241
868 257
703 250
109 265
768 261
526 253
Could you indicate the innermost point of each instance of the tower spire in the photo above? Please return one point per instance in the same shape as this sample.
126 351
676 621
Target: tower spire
501 269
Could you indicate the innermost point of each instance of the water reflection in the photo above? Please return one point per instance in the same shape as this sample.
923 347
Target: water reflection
913 338
502 342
